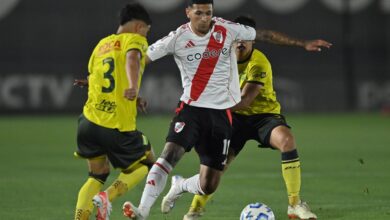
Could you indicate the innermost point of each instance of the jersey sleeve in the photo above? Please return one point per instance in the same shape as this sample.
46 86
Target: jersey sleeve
162 47
137 43
246 32
238 31
259 73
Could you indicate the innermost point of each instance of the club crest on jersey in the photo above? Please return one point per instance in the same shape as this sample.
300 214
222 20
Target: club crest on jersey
179 126
218 36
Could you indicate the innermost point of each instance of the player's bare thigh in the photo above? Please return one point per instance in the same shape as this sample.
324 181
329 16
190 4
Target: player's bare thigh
99 165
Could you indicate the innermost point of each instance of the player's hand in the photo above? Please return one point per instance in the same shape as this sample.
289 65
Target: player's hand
80 82
131 93
141 105
316 45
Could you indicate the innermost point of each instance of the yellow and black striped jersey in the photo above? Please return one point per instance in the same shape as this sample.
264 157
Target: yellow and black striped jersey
106 105
257 69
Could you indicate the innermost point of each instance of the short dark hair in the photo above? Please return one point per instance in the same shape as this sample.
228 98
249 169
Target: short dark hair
246 20
191 2
134 11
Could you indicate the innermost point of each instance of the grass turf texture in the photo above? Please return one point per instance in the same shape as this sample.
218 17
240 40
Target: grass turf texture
345 162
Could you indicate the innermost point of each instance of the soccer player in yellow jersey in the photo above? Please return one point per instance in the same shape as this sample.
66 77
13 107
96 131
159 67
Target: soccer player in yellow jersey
257 117
107 130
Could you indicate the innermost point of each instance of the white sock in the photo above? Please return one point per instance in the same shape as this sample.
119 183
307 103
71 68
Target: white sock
192 185
155 184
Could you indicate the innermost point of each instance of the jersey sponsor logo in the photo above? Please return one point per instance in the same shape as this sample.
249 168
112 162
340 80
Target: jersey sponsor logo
106 106
207 54
179 126
109 46
189 44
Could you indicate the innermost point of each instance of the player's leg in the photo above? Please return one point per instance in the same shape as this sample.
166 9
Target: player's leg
211 159
204 183
127 179
283 139
134 167
89 147
155 181
98 172
199 202
157 178
182 135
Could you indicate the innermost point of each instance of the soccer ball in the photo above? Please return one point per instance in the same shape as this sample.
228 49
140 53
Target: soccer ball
257 211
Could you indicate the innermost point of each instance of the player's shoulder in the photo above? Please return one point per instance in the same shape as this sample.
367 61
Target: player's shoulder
258 60
259 56
106 39
223 22
182 29
134 37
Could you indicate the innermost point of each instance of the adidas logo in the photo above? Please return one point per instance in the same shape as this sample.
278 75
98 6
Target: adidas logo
151 182
189 44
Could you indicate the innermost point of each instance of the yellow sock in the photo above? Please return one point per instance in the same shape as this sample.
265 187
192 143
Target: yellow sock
291 170
126 181
84 204
82 214
199 202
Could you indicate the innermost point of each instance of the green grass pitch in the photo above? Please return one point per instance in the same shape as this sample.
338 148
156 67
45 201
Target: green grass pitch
345 162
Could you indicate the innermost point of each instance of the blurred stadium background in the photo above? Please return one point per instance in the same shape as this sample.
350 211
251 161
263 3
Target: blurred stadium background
46 44
337 101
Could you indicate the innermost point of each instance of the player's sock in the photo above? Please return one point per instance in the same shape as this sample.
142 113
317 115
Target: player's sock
82 214
192 185
84 204
291 169
199 202
126 181
155 183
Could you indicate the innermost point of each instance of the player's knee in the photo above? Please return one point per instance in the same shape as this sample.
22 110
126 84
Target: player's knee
172 153
286 143
208 189
99 177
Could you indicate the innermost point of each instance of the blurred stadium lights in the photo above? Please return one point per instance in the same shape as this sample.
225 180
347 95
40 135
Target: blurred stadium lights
277 6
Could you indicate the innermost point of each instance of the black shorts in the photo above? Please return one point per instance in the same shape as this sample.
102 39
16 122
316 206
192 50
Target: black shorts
121 148
208 130
254 127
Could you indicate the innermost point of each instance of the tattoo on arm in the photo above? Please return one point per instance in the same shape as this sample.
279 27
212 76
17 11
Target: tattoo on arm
277 38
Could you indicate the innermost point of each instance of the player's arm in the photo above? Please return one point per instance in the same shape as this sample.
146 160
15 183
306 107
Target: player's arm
147 60
142 104
248 94
133 65
282 39
80 82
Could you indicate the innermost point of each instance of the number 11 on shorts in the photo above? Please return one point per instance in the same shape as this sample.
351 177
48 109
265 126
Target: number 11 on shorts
225 151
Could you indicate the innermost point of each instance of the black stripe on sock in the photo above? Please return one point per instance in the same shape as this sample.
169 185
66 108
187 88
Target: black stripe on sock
99 177
291 155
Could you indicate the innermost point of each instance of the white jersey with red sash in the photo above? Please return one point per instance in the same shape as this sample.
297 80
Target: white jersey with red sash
207 64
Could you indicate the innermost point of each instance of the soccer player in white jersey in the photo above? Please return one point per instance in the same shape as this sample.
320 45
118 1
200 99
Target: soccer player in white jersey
203 51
